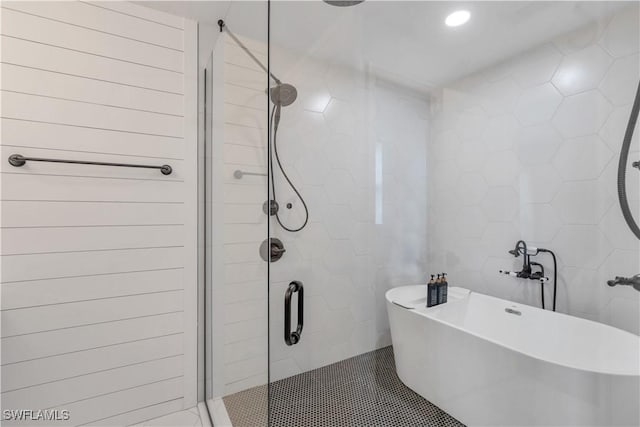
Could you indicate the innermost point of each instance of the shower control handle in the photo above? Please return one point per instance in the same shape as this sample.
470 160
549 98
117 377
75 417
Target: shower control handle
275 251
271 250
291 338
626 281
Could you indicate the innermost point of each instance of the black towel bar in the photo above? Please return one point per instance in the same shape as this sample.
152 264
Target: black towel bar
18 160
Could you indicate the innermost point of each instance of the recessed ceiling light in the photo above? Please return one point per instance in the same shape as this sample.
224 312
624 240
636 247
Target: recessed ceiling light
457 18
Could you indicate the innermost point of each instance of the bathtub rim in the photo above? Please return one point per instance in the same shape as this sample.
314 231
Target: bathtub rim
425 314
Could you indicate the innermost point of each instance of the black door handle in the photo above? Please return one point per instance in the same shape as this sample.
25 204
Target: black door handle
292 338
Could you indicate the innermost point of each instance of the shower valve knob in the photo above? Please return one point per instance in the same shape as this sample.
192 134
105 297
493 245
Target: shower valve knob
276 251
271 250
270 207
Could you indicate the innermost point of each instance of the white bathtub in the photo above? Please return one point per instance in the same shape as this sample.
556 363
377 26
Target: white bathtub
485 366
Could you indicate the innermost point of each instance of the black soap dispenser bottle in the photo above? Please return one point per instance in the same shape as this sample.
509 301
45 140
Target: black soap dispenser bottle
443 289
432 292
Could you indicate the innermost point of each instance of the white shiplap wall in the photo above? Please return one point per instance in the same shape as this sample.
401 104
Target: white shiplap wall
239 226
98 264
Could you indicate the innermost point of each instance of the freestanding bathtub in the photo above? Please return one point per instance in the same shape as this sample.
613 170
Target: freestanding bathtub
488 361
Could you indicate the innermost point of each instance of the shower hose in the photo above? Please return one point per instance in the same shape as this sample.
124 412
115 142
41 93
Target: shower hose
622 166
274 125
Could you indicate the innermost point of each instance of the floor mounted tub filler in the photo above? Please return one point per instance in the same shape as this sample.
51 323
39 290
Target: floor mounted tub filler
488 361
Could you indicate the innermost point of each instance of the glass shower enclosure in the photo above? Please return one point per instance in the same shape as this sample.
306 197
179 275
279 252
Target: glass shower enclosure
357 148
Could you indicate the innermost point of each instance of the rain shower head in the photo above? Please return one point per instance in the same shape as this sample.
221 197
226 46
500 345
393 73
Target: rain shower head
283 94
343 3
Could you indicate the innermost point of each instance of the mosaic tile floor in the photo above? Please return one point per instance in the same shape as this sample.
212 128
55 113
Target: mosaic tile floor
361 391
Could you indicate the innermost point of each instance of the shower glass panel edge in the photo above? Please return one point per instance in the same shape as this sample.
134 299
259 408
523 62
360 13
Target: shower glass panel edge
236 282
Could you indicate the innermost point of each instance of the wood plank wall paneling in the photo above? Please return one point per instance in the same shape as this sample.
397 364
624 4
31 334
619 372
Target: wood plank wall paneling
97 271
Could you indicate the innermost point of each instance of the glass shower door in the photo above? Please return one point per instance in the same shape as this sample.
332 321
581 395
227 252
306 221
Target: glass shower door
353 143
421 146
382 146
236 113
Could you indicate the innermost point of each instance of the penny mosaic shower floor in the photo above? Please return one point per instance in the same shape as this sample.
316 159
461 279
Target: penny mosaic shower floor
360 391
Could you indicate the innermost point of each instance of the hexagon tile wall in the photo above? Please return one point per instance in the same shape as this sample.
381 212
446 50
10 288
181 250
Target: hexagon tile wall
400 185
530 148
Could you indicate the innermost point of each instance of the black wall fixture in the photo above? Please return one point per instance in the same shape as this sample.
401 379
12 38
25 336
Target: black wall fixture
19 160
622 166
527 271
633 281
291 338
271 250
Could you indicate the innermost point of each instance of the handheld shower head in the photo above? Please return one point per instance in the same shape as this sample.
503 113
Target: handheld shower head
283 94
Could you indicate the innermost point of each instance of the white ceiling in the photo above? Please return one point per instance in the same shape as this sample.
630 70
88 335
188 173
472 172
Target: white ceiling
403 39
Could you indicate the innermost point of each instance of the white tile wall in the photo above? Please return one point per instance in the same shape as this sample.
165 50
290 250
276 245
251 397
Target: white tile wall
356 148
529 149
526 149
